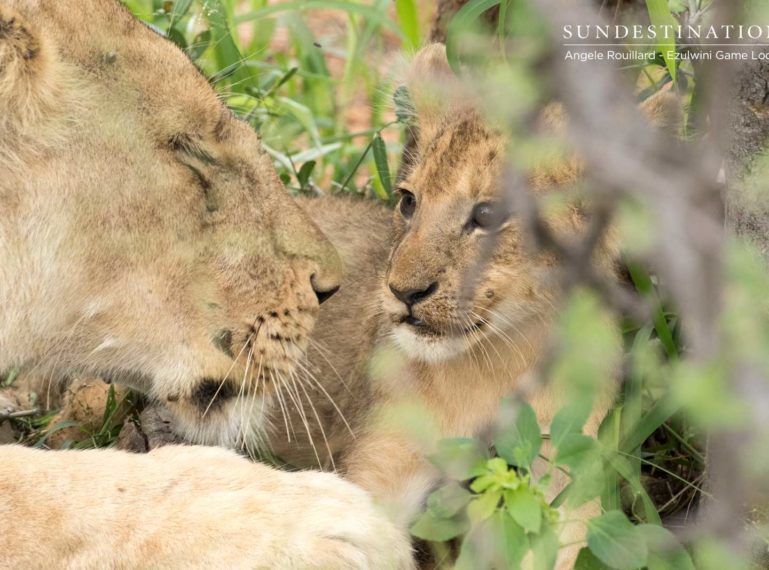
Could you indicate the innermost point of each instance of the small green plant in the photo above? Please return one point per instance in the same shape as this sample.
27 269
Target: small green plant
8 378
498 507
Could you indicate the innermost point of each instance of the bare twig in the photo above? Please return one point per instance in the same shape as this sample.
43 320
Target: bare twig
12 415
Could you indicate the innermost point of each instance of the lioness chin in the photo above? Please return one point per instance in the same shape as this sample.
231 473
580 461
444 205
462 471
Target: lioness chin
145 238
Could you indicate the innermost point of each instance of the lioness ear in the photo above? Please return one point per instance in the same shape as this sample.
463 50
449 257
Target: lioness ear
25 63
433 88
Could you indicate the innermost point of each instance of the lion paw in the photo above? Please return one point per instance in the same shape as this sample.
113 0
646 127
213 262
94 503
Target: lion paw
240 514
342 528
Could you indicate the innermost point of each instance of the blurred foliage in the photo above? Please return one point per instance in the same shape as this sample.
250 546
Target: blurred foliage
647 462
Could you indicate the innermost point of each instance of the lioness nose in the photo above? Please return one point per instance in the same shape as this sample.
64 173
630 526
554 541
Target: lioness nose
298 237
322 294
411 297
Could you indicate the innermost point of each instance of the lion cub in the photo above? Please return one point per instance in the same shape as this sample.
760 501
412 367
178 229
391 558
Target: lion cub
419 322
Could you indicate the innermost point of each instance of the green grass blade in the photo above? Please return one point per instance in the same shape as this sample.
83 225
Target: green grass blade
380 159
367 12
227 53
463 21
625 470
644 285
660 15
648 424
408 18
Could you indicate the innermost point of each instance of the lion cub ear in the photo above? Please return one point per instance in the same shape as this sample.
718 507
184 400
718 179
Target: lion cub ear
434 89
25 66
664 111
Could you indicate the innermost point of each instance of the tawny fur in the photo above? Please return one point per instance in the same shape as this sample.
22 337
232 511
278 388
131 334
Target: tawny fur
375 367
182 507
145 237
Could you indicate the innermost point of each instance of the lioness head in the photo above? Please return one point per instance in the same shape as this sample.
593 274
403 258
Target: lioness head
458 271
145 236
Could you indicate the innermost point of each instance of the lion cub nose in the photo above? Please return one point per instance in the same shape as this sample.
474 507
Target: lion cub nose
413 296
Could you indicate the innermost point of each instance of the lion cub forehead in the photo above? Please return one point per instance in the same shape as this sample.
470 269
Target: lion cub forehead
463 157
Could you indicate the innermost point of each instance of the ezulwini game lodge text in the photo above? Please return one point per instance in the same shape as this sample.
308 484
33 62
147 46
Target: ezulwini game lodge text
614 54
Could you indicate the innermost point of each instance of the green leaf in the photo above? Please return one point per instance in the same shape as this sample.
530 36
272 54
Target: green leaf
494 543
588 481
448 500
511 540
616 542
432 527
303 176
199 45
460 458
497 466
480 484
568 420
574 449
545 549
520 442
406 10
177 37
665 552
484 506
660 15
525 508
380 159
586 560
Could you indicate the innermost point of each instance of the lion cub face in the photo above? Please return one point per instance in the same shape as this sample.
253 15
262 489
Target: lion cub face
458 272
152 241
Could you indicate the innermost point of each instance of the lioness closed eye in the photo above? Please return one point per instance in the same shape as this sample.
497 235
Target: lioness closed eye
145 238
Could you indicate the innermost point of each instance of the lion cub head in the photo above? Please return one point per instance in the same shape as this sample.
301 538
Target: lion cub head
458 271
145 236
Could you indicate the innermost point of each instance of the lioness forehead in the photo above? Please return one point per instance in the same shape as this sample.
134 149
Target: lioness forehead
118 52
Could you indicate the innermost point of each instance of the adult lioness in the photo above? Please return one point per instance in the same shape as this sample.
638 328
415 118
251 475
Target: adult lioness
144 236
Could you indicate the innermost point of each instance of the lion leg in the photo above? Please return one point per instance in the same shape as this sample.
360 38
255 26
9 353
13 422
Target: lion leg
184 507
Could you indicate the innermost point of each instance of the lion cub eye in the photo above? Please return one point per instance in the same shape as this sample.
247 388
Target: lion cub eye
407 204
487 216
